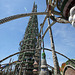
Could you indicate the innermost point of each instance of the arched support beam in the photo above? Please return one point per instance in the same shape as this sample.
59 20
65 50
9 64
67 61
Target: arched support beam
60 54
16 54
20 16
37 49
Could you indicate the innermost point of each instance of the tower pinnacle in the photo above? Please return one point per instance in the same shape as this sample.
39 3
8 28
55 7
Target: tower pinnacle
44 68
34 7
34 3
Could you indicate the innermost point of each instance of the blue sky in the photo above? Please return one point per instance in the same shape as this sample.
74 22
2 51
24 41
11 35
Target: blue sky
11 33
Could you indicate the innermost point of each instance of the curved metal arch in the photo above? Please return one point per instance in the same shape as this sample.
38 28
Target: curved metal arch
16 54
37 49
21 15
60 54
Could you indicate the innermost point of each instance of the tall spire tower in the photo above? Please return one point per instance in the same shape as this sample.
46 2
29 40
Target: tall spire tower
29 65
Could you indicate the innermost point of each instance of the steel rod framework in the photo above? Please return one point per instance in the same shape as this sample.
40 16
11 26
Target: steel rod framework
60 54
21 15
55 60
48 29
43 24
50 13
36 49
47 64
16 54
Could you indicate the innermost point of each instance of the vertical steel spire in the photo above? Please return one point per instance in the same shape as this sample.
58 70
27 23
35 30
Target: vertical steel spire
29 42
